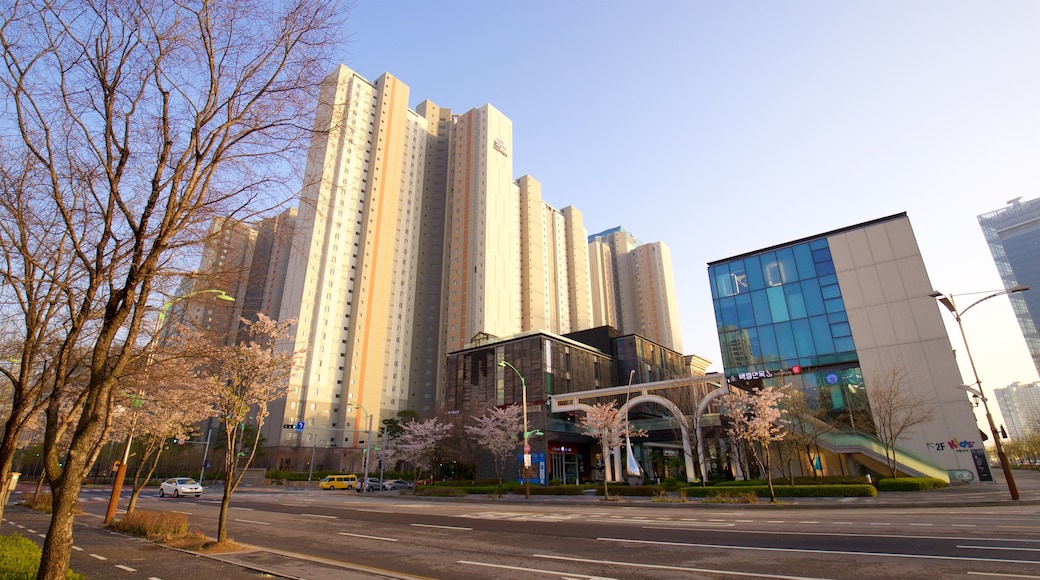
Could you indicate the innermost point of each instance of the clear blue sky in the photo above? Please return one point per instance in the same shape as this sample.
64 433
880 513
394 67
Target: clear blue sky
724 127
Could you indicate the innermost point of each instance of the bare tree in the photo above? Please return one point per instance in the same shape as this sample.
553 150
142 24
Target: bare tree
499 432
897 409
143 120
248 376
757 419
807 425
604 423
417 444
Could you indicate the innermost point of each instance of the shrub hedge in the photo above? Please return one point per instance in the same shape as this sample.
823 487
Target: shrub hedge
632 490
434 491
847 490
911 484
20 559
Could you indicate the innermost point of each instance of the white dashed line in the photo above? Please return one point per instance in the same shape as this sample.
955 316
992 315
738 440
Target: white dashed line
127 568
97 556
441 527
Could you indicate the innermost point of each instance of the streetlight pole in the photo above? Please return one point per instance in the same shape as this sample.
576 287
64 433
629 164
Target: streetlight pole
947 301
368 444
527 434
117 484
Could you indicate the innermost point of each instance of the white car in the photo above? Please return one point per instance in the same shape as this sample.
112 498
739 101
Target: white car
391 484
179 487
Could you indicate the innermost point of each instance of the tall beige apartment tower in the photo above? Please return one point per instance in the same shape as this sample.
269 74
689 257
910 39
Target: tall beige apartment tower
350 278
554 264
481 292
633 287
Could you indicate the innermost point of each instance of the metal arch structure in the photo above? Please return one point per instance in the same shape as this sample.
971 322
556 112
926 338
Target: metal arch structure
573 402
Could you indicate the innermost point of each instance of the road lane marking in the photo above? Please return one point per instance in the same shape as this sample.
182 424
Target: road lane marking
254 522
368 537
537 570
999 575
97 556
442 527
77 548
679 568
319 516
127 568
808 551
999 548
678 526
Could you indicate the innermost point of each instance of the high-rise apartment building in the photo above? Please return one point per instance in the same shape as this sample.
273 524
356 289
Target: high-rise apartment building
1020 406
633 287
350 278
1013 235
412 240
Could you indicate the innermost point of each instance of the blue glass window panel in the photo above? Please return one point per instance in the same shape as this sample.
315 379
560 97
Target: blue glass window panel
844 344
813 297
756 348
745 313
728 306
788 270
753 269
785 341
718 315
834 305
723 281
837 397
821 255
777 303
803 258
761 306
830 291
840 329
803 337
738 277
818 244
821 331
767 344
824 268
795 302
834 317
771 270
828 279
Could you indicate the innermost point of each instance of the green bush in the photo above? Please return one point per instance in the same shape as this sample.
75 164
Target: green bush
911 484
443 491
743 483
554 490
854 490
670 484
20 559
633 490
800 480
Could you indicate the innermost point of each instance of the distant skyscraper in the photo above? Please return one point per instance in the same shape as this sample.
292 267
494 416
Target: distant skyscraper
1013 235
1020 407
633 287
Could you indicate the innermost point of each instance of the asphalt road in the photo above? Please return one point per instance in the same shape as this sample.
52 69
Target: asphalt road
315 534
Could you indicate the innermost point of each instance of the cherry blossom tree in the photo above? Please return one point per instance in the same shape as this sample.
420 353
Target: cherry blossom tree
608 426
757 419
244 378
417 443
499 432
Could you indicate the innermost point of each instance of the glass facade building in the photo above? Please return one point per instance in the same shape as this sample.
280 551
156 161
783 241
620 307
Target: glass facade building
1013 235
781 319
834 316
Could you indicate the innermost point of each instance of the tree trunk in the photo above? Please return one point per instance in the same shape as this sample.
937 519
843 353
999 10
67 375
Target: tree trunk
57 547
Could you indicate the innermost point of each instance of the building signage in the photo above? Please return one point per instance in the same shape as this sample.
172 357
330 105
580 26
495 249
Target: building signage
981 464
500 146
952 445
752 376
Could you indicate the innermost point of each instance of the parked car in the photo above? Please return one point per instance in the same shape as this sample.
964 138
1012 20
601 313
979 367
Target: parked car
371 484
179 487
338 482
396 484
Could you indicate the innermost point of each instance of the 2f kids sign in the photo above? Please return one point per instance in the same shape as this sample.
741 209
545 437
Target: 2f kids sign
952 445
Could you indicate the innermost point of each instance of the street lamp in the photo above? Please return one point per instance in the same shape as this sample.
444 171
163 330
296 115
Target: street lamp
527 434
117 484
947 301
368 443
